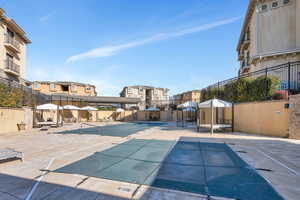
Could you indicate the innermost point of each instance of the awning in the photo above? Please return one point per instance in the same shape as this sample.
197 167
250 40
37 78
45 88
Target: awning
48 106
216 103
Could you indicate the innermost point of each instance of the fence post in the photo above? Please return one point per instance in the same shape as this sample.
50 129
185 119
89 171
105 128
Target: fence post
266 84
289 79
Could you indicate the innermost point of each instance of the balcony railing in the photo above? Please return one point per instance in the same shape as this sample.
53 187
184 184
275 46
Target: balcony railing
12 41
11 66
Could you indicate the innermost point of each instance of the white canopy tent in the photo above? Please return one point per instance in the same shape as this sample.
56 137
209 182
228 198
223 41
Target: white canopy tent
215 103
89 108
48 106
188 104
70 107
119 110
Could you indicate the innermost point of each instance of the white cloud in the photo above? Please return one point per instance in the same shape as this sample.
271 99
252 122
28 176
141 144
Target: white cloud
114 49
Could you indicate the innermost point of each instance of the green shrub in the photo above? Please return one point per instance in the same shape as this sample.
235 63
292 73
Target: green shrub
244 90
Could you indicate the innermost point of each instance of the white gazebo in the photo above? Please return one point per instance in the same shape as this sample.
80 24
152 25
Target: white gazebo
120 110
69 112
71 107
89 109
214 103
49 107
188 104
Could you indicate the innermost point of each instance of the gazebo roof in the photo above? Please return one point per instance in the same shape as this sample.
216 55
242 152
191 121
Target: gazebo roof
217 103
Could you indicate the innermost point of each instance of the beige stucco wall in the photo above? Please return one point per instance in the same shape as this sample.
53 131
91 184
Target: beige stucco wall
10 117
277 29
264 118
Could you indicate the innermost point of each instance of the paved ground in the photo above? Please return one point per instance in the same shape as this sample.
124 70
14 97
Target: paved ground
46 151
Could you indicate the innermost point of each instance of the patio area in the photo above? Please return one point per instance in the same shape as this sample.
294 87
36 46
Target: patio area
46 154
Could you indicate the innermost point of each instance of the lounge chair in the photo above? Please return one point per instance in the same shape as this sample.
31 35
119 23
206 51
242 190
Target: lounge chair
8 154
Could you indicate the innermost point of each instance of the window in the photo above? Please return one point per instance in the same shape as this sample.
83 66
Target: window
52 86
285 2
37 85
10 33
88 88
275 4
264 7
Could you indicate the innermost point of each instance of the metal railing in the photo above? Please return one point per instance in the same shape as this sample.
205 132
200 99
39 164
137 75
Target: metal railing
12 41
287 75
11 65
15 94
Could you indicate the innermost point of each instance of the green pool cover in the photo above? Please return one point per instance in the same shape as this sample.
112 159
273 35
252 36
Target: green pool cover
118 130
204 168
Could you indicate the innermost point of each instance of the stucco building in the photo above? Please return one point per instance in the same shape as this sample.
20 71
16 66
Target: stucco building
13 42
270 35
65 88
150 96
193 95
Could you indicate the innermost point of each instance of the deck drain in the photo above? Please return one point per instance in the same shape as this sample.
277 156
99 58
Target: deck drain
124 189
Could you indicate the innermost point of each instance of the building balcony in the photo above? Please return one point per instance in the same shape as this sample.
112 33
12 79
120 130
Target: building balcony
241 56
12 43
11 67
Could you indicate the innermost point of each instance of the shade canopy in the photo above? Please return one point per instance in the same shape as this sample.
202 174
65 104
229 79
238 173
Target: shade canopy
71 107
216 103
119 110
153 109
89 108
188 104
189 109
48 106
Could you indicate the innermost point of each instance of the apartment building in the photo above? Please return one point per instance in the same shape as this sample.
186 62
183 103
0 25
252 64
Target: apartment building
193 95
13 43
66 88
270 35
150 97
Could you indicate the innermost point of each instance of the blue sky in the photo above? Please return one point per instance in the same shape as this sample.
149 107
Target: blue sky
180 45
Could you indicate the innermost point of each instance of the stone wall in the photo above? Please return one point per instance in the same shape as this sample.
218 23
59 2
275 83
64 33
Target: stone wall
294 117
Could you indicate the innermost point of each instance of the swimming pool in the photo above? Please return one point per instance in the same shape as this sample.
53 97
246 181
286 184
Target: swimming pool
211 169
117 130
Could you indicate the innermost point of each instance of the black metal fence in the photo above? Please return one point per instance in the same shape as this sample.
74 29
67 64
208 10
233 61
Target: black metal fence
276 82
15 94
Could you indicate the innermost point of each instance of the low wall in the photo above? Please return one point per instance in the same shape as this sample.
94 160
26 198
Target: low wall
264 118
10 117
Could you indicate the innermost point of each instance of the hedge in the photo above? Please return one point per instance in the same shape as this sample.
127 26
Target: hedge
244 90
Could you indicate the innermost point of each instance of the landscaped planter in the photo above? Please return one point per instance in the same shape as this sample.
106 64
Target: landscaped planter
21 126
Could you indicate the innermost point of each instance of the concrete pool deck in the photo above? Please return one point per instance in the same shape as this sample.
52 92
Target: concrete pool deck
45 152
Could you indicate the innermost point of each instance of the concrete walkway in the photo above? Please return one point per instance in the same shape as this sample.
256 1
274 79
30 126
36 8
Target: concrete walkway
278 159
